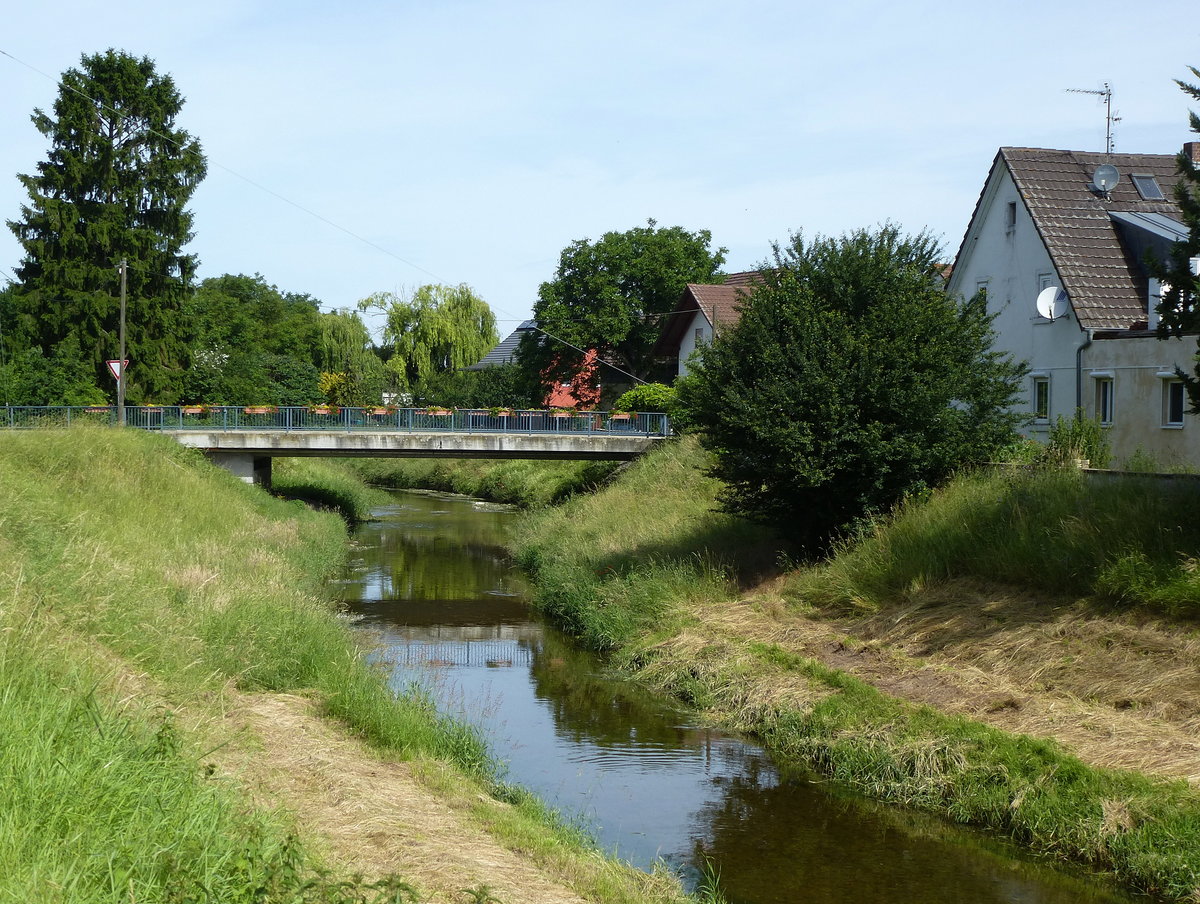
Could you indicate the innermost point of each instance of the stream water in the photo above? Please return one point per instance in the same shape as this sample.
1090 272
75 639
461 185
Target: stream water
431 582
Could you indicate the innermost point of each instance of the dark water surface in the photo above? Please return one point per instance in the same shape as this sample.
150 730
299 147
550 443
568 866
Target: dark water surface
431 581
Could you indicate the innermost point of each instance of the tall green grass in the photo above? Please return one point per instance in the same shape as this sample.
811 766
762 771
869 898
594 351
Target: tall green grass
613 564
1132 541
125 558
326 484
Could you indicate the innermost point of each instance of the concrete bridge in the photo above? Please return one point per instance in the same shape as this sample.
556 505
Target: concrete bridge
245 439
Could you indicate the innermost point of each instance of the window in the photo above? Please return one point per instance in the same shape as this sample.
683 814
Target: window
1172 402
1041 399
1010 217
1104 400
1147 186
699 335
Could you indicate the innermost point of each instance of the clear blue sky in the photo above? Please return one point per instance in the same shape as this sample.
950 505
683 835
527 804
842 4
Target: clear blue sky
474 140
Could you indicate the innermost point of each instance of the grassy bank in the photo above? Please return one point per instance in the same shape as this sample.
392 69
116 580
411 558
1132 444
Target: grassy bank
141 590
647 571
1128 542
326 484
529 484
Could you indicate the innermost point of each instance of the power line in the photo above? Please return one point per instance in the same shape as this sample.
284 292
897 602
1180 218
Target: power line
295 204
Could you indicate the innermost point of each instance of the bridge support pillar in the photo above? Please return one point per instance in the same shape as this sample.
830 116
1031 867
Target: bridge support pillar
251 468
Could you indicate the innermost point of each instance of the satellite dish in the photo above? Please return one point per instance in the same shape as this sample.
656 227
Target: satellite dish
1052 302
1106 177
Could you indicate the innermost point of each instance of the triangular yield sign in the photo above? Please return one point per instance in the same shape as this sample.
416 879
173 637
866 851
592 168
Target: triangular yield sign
116 367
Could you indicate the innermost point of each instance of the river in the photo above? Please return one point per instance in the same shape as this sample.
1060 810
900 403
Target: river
431 584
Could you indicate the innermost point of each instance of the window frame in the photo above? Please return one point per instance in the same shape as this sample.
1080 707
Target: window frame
1106 398
1041 393
1172 386
1147 180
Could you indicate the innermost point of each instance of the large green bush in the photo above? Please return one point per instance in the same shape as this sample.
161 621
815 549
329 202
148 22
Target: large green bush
851 382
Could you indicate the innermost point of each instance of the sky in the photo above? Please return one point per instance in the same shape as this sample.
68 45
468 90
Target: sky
364 147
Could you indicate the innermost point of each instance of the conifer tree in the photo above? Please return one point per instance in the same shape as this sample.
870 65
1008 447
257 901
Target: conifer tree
1181 290
114 186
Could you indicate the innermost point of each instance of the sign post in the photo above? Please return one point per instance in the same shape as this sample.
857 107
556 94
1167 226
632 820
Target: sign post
124 362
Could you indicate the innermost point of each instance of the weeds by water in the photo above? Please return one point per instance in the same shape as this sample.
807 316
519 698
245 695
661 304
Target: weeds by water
529 484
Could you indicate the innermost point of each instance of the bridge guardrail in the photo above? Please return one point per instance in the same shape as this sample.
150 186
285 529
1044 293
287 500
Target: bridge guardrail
320 417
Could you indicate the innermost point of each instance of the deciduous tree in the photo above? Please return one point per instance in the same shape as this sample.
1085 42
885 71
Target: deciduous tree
115 184
606 295
437 328
851 381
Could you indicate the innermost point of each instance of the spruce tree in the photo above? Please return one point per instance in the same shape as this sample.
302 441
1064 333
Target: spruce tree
1178 309
114 186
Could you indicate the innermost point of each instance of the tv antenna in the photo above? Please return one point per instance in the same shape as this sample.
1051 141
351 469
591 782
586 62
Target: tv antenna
1105 93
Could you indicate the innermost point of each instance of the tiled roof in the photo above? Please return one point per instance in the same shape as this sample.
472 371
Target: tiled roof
721 304
1105 284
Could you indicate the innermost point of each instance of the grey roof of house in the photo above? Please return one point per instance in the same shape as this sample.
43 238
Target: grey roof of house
1104 280
506 351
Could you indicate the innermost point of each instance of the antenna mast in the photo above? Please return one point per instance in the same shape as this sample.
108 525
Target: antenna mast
1109 119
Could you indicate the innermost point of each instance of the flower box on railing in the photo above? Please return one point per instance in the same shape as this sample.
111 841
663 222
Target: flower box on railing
324 409
260 409
195 409
381 412
438 412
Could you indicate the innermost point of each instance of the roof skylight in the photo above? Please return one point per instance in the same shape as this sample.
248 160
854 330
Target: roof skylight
1147 186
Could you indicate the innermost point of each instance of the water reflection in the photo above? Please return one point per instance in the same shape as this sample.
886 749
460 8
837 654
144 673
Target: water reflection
432 583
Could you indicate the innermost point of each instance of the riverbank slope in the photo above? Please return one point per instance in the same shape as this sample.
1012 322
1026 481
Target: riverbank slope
183 716
1016 652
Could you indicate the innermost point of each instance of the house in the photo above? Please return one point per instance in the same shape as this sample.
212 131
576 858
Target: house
701 311
581 391
1075 229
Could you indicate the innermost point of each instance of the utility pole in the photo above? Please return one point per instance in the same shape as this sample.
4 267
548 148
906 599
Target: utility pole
121 357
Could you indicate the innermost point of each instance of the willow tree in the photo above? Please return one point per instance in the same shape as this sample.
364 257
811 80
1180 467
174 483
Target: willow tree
115 185
351 372
436 329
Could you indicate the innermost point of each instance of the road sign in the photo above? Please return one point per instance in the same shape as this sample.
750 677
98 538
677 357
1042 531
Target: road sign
116 367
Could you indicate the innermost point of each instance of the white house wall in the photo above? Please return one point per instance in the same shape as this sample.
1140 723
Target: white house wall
698 326
1012 263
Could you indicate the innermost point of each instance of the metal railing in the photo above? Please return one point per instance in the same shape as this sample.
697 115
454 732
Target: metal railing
320 417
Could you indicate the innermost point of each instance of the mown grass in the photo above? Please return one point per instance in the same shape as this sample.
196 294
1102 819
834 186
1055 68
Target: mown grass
529 484
1130 542
625 569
